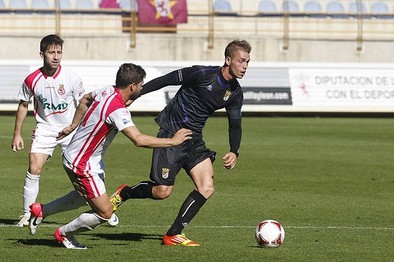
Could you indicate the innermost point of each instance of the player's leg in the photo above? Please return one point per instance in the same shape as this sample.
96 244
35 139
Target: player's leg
39 211
199 167
202 176
144 189
164 168
31 184
93 189
102 211
42 146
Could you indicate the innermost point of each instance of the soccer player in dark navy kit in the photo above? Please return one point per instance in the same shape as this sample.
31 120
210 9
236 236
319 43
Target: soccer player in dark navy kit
204 90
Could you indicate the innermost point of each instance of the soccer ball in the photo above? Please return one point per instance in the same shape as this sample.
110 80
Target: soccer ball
270 233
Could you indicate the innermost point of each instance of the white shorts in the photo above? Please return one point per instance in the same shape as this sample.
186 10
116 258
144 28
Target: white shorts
44 140
88 184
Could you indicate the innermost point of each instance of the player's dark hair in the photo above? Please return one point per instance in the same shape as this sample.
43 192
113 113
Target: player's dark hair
234 45
50 40
129 73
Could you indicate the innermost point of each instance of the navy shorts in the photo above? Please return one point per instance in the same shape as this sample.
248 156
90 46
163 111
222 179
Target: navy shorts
168 161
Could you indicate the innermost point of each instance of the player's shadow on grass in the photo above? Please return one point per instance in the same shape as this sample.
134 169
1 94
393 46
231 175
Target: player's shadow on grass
15 221
8 221
129 236
36 242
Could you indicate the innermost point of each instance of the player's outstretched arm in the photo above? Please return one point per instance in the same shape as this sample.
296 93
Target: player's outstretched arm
17 140
142 140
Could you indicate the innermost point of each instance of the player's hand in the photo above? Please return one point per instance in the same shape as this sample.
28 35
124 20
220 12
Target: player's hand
182 135
229 160
17 144
65 132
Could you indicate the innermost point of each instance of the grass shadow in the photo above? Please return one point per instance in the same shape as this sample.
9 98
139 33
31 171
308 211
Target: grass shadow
129 236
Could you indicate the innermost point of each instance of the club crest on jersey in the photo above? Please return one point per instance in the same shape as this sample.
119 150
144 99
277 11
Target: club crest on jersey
126 121
209 87
61 90
227 95
165 172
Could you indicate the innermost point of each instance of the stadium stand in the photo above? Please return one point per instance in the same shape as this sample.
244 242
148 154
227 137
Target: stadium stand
260 20
40 4
18 4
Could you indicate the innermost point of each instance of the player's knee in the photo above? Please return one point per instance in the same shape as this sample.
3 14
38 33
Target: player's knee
207 190
161 192
35 172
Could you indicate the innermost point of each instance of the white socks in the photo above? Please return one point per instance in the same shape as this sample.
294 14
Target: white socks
85 222
30 192
65 203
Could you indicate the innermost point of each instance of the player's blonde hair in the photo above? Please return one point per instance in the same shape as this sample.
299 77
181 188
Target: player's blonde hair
235 45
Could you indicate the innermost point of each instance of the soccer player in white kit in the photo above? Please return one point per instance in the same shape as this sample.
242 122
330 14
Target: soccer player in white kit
100 115
56 91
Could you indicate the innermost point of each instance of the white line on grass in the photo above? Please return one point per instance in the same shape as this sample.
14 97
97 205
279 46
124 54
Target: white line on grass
235 227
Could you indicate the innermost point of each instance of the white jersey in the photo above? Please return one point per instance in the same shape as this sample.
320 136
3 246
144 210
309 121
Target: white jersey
55 97
105 117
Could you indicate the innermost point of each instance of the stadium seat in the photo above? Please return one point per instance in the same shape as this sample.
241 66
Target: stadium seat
336 9
65 4
267 6
312 7
223 6
18 4
128 5
39 4
292 7
84 4
379 8
353 8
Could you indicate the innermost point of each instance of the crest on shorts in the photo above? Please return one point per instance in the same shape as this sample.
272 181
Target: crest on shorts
165 172
227 95
61 90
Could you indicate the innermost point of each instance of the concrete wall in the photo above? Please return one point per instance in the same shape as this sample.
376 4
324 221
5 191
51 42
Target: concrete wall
162 47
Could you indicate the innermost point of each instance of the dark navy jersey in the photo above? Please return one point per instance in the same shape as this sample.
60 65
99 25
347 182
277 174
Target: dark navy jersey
203 91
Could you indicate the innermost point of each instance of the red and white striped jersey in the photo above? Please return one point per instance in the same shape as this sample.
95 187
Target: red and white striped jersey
105 117
55 97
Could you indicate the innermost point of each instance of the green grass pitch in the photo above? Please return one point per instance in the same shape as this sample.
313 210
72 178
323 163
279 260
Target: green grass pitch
329 181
